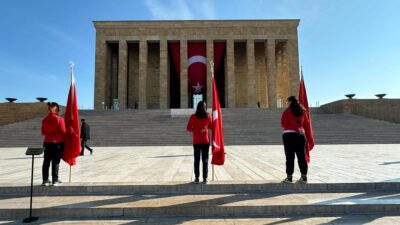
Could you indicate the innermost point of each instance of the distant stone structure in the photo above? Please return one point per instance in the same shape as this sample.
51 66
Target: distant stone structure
259 65
381 109
16 112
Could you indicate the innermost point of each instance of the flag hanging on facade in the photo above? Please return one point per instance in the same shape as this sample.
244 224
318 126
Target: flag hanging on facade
308 127
72 146
218 148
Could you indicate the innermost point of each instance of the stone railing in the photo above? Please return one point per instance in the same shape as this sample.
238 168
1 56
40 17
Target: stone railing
15 112
381 109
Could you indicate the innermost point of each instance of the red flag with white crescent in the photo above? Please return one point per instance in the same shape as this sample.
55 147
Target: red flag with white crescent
72 146
218 148
308 127
197 68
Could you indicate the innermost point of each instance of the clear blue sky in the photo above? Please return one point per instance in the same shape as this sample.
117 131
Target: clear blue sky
345 46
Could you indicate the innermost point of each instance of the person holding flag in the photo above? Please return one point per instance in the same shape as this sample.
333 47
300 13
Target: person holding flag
293 122
199 124
53 130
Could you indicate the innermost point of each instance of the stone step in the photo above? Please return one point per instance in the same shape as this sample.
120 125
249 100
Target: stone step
188 188
230 220
217 205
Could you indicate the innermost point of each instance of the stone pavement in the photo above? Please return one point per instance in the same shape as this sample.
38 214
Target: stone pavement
329 164
254 165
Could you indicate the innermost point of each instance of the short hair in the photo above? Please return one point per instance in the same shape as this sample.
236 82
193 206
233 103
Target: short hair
82 120
53 104
292 99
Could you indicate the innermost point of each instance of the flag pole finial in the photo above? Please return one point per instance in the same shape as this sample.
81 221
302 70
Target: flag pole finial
71 64
212 67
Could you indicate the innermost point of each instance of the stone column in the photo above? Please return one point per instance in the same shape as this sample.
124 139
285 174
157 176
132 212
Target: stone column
184 74
122 74
210 57
100 74
142 73
271 68
293 66
230 70
163 74
251 76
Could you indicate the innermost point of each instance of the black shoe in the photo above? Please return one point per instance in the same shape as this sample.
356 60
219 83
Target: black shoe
196 181
46 183
302 180
205 181
82 154
57 182
91 152
288 180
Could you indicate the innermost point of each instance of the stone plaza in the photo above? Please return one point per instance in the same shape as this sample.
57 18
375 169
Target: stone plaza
152 185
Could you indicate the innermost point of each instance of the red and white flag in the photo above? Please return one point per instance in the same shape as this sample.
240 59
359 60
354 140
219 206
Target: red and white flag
197 67
308 126
72 146
218 149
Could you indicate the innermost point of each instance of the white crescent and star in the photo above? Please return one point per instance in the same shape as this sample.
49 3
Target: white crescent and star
197 59
215 145
215 115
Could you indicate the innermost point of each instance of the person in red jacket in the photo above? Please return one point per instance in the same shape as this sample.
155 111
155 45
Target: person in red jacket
53 130
294 139
198 124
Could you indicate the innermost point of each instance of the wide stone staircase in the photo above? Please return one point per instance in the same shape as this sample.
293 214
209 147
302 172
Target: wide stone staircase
241 127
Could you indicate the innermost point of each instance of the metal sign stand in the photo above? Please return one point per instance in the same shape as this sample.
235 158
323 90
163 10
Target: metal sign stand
32 152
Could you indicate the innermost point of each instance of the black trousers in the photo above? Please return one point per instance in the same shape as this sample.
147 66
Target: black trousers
201 149
84 145
52 153
294 144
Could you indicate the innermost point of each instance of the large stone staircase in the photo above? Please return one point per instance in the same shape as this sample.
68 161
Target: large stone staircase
241 127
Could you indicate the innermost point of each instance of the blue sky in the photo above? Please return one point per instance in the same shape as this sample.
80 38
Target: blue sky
345 46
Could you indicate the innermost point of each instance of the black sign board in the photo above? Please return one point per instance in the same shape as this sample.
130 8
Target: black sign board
34 151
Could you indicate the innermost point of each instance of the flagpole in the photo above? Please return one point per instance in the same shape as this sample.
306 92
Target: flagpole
212 75
72 70
70 169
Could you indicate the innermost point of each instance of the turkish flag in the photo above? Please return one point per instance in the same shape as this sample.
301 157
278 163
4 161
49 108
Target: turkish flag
72 146
197 67
218 150
308 126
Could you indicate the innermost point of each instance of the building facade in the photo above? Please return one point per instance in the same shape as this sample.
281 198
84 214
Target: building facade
144 64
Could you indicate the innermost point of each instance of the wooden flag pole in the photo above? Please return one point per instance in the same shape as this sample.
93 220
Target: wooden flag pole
213 172
70 169
212 76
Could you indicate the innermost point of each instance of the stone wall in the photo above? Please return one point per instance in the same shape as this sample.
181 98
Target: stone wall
153 76
133 75
15 112
381 109
241 74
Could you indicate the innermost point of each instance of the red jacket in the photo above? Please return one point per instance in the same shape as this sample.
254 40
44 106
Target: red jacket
53 128
290 122
199 128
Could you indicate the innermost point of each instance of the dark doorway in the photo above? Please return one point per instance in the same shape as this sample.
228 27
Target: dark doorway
112 78
174 85
220 80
